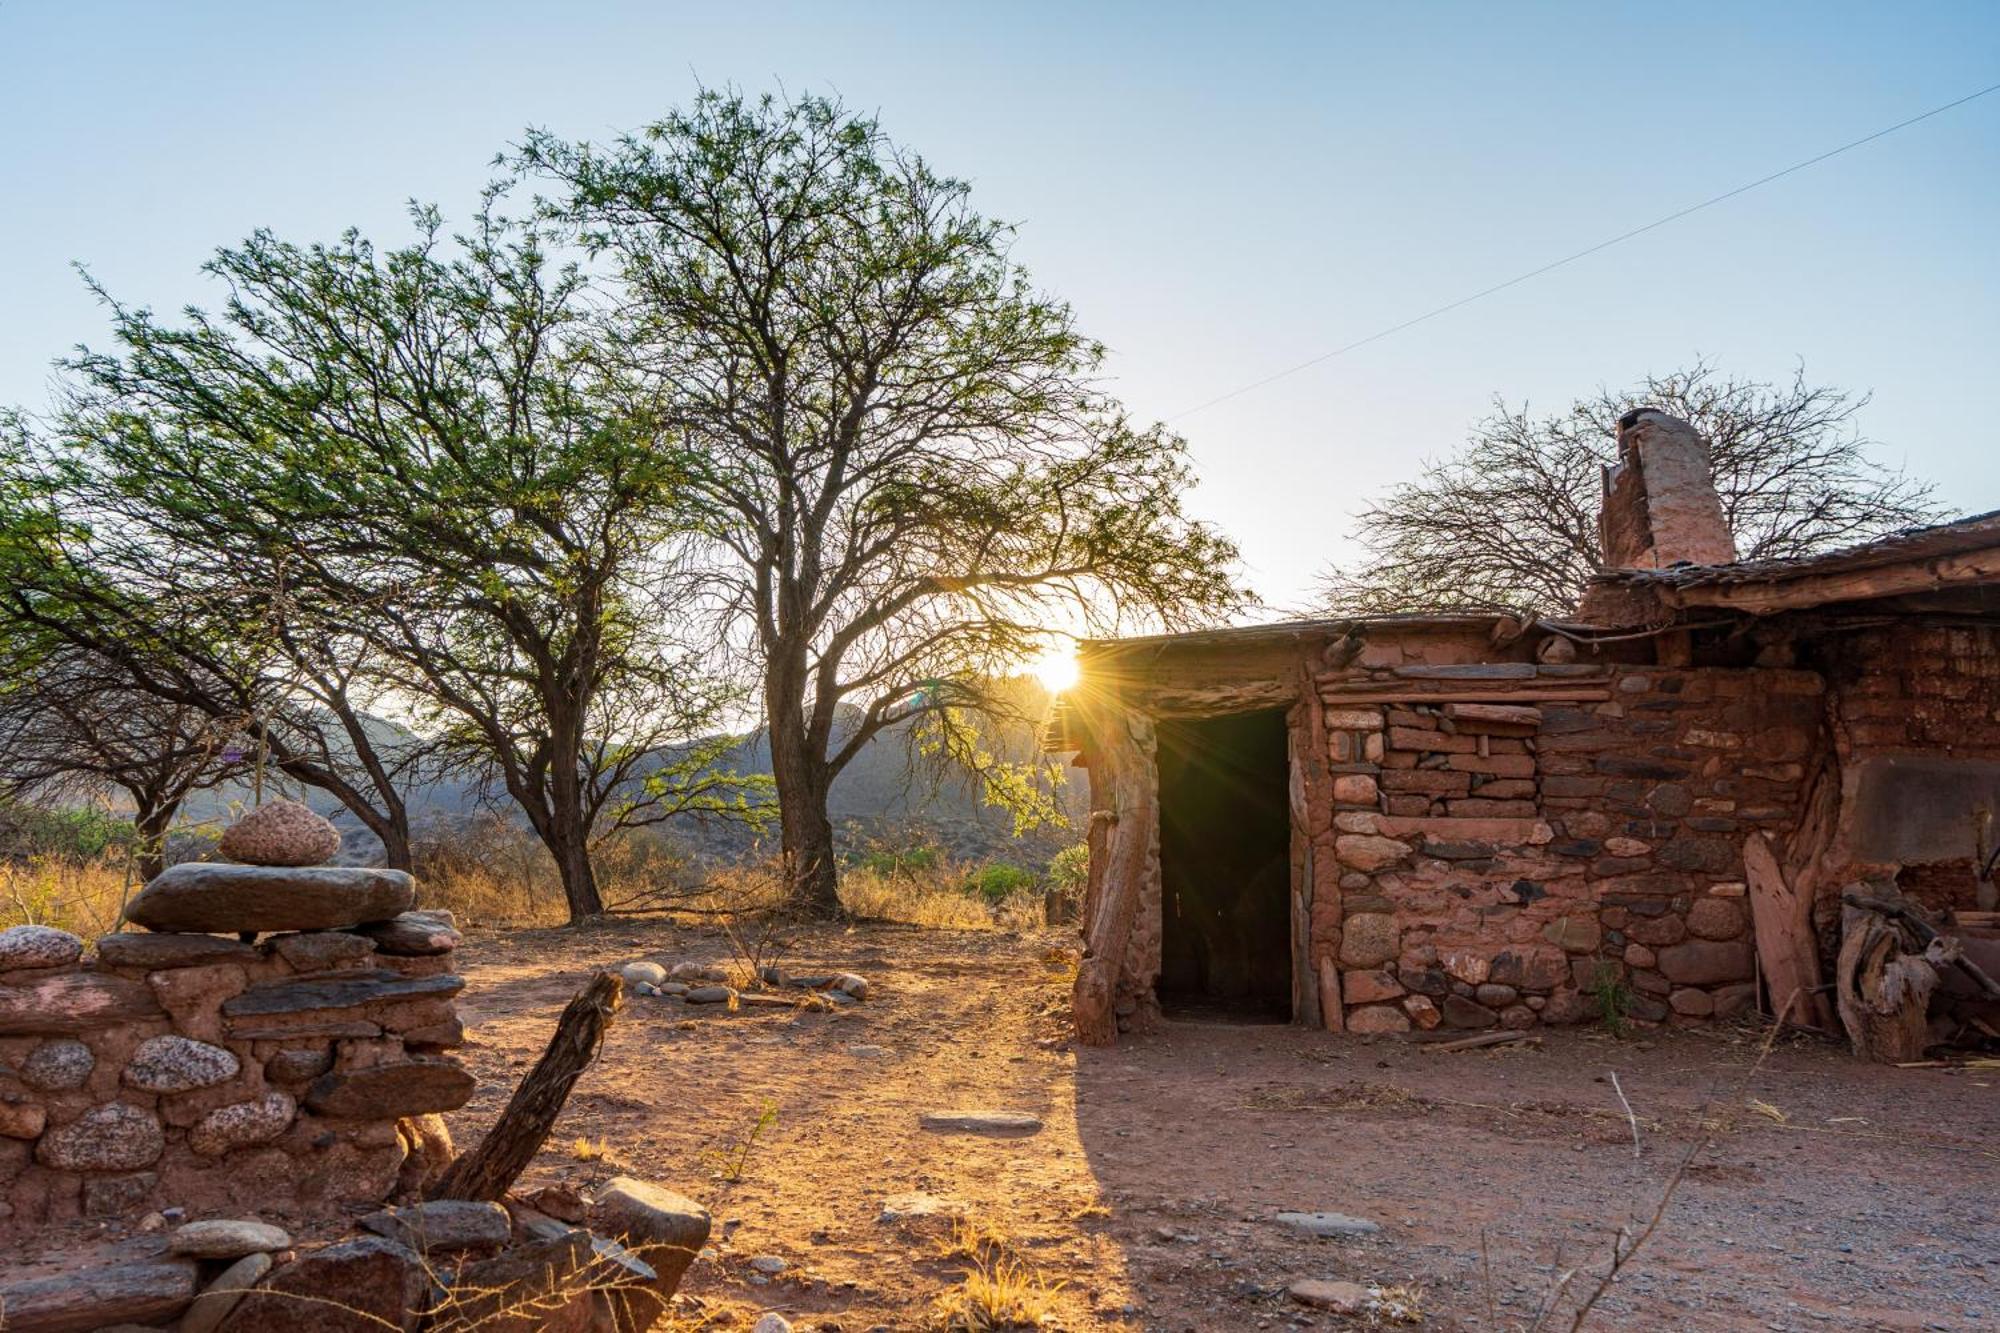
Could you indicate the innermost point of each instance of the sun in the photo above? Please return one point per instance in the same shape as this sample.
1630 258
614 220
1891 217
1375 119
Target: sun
1056 669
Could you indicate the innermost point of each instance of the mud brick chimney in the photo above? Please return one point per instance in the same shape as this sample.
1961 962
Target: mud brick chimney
1660 505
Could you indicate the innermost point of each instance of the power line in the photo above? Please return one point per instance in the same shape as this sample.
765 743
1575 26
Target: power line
1582 254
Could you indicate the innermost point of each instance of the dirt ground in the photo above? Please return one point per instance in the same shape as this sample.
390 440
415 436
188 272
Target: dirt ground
1856 1197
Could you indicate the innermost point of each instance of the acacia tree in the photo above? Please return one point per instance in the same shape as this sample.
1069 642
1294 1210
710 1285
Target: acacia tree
72 727
903 466
417 454
1510 520
169 625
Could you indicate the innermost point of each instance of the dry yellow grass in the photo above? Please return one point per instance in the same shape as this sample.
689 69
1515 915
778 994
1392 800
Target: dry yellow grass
1000 1294
494 874
47 891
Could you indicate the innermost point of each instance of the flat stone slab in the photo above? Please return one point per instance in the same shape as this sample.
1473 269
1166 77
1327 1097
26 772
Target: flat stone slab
378 1282
1012 1123
221 1296
444 1224
348 995
207 897
917 1206
1339 1297
391 1091
1329 1224
228 1238
131 948
95 1297
69 1003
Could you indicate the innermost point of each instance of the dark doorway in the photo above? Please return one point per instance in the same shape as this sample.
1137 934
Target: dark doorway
1225 868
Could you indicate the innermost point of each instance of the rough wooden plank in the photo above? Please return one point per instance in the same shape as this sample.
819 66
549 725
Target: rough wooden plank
1504 715
98 1296
1331 1016
1132 853
1787 953
1469 671
1912 576
1337 695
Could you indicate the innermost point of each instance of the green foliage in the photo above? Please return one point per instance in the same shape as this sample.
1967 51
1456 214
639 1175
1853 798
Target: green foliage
909 861
903 463
1069 871
997 881
1611 997
76 835
412 473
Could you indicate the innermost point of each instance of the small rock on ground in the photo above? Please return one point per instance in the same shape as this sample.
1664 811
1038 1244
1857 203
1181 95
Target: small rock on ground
981 1122
771 1323
913 1207
1329 1224
1339 1297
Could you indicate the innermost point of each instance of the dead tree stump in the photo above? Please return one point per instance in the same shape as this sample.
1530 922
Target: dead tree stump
489 1170
1883 987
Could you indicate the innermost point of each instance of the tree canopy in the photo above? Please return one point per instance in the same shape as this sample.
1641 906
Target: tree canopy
1509 521
402 481
903 468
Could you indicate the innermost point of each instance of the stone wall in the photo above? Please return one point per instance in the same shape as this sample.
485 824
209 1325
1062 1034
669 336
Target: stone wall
1500 859
1916 709
202 1072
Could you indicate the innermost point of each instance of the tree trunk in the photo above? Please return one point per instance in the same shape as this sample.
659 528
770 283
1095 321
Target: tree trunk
149 828
805 831
395 836
806 836
571 849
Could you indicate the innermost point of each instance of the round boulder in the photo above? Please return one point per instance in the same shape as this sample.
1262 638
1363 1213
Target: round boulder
1715 919
179 1064
242 1125
37 946
281 833
112 1137
58 1066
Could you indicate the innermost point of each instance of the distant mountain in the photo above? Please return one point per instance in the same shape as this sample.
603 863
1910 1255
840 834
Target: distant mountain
883 796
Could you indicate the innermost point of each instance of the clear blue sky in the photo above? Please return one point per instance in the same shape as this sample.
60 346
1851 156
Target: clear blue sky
1221 190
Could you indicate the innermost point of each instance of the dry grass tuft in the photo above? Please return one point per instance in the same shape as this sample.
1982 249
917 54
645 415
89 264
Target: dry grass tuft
586 1150
1400 1304
1000 1294
931 898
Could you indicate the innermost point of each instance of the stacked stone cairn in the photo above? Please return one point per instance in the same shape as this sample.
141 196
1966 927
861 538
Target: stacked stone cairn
276 1040
256 1044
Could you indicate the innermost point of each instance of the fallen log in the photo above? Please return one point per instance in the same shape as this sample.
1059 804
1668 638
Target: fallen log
486 1173
1483 1039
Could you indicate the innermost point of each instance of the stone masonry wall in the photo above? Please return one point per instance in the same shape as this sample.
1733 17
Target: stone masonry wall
1915 690
202 1072
1498 858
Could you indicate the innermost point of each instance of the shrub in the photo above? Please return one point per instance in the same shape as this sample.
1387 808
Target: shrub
74 835
997 881
917 860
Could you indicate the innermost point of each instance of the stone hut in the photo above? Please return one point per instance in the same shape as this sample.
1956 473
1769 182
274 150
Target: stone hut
1477 821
